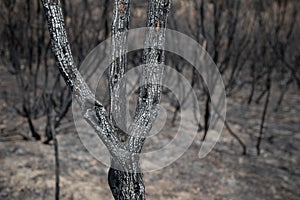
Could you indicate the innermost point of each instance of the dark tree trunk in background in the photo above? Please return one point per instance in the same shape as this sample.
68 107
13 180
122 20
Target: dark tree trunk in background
125 177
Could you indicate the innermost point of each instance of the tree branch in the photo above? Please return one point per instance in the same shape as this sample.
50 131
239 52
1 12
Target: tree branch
92 110
153 59
117 86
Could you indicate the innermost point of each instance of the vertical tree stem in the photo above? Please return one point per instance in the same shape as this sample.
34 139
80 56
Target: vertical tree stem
56 153
261 131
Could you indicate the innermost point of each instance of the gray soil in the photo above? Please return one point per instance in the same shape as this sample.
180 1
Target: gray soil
27 167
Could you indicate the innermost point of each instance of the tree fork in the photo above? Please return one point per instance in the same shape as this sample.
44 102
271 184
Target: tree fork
125 177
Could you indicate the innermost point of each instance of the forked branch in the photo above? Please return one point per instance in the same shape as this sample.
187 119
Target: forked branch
93 111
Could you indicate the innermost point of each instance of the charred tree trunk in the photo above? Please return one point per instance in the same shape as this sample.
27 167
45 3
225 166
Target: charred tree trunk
125 177
125 183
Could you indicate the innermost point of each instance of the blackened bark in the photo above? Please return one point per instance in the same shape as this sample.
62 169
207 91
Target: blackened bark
125 177
35 135
125 181
56 153
236 137
153 58
92 110
206 116
117 88
261 130
126 184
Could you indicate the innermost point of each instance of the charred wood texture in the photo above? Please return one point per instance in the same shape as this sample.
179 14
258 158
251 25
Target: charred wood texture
125 177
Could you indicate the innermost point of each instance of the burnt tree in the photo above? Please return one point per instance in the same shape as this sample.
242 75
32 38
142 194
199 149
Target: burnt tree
125 177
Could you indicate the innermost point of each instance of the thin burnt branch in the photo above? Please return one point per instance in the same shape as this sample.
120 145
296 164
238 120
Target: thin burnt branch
153 59
93 111
117 88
